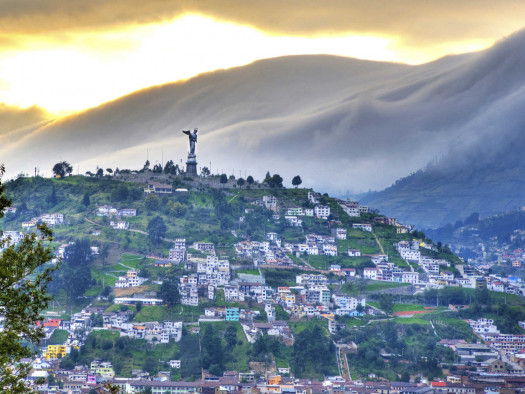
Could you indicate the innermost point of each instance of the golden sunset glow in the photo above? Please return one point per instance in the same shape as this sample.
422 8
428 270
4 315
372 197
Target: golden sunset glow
63 73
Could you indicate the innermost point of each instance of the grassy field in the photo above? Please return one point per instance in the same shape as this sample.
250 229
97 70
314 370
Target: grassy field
381 285
58 337
408 307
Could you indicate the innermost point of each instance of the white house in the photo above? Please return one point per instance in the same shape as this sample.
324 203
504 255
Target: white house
293 221
363 226
119 225
340 233
322 211
354 253
370 273
175 364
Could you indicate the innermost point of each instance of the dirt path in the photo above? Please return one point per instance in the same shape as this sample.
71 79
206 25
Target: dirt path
379 243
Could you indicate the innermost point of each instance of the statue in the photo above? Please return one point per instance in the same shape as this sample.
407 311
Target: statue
191 163
193 141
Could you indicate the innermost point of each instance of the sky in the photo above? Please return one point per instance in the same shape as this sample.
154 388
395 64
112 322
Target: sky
69 55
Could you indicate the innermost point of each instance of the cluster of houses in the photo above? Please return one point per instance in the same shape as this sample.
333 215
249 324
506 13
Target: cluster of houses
51 219
266 252
210 272
504 344
352 208
280 329
132 279
109 211
153 332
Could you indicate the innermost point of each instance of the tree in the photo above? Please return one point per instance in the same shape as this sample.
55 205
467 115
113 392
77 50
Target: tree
76 274
146 166
52 198
109 170
86 200
156 229
296 181
178 209
169 292
224 179
386 304
274 181
157 169
170 168
22 300
60 169
231 336
250 180
240 182
152 202
121 193
100 172
205 172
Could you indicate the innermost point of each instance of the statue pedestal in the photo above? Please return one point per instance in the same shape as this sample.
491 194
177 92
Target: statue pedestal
191 166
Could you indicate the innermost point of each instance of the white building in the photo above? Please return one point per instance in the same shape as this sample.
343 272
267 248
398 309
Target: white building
322 211
340 233
119 225
363 226
370 273
293 221
354 253
177 254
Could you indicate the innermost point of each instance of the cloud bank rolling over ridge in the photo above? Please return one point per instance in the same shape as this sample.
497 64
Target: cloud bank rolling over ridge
342 124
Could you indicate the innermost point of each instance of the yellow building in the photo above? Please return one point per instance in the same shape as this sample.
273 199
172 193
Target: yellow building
55 351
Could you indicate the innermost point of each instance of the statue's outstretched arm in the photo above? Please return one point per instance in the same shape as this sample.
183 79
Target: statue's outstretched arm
186 132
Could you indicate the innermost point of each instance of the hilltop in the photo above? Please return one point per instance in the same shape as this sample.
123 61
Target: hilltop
458 120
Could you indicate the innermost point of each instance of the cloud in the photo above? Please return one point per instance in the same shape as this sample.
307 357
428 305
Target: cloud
413 22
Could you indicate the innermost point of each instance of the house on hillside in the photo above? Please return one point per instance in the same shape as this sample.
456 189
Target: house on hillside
158 188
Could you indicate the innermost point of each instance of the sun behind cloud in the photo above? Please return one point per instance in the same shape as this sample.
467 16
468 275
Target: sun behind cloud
68 72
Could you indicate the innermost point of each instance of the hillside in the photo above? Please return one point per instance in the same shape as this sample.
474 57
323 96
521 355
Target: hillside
246 268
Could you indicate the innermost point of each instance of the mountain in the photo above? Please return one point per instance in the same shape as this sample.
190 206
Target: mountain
484 171
307 115
344 125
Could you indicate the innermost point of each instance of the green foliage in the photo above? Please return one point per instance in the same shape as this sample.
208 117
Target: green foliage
21 300
121 193
230 336
169 292
62 168
313 353
85 200
156 229
75 275
275 181
211 351
296 181
152 202
58 337
170 168
386 304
